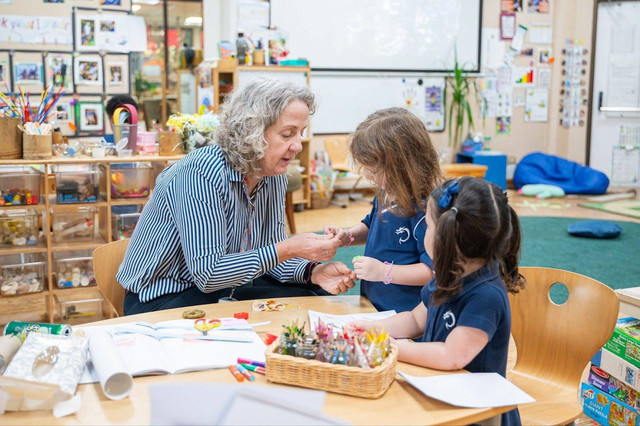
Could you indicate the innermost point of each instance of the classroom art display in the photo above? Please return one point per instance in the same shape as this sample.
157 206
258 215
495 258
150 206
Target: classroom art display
88 70
524 76
511 5
35 29
110 32
90 116
116 71
507 26
65 117
544 55
536 108
538 6
59 67
26 73
4 74
110 2
434 108
503 126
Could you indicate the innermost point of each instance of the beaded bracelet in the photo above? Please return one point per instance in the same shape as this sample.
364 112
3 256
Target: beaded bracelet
351 239
388 278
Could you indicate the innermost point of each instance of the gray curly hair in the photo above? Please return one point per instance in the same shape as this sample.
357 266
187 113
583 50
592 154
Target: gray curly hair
248 112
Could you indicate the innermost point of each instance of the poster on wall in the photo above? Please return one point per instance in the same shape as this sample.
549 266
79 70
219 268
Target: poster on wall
65 117
434 108
90 116
116 72
88 70
35 29
503 126
511 5
26 73
536 107
110 32
524 76
538 6
59 68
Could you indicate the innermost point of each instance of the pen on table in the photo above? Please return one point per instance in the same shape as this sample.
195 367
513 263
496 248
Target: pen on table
254 368
237 374
250 362
246 373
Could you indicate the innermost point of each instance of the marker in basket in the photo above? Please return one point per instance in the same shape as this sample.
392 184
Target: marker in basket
255 368
246 373
250 362
237 374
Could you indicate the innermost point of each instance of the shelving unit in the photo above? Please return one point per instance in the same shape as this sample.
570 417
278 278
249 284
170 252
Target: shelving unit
228 71
28 306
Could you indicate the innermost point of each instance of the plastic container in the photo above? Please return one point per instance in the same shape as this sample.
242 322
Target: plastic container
22 273
129 131
147 143
76 309
130 180
122 225
77 184
74 269
20 186
19 227
74 226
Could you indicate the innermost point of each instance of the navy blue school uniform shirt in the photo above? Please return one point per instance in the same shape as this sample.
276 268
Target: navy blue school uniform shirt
399 240
483 304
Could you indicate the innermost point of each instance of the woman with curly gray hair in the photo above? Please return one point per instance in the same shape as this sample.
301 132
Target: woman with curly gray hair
214 227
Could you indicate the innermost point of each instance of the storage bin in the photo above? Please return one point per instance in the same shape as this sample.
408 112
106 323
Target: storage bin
77 184
19 227
321 199
122 225
74 226
76 309
22 273
147 143
20 186
130 180
73 269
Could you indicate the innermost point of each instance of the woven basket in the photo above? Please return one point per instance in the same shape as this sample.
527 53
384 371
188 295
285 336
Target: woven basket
355 381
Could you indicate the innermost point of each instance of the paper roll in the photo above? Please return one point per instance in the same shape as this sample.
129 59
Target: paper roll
9 345
115 380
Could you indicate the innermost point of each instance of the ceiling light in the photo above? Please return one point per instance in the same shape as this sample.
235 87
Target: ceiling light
195 21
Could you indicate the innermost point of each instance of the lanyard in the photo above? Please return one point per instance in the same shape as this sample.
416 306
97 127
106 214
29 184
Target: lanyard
246 238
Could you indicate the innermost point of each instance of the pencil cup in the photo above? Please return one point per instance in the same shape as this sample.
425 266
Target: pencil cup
36 147
10 138
169 143
258 57
129 131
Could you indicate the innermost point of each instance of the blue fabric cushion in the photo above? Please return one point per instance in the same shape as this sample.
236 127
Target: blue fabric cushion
573 178
594 229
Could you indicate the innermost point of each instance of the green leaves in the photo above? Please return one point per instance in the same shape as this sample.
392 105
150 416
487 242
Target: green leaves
459 112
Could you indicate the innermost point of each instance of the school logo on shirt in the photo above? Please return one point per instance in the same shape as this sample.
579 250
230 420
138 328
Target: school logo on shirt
449 319
401 231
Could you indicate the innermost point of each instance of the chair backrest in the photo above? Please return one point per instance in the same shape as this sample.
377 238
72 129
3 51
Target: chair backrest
106 261
337 148
555 342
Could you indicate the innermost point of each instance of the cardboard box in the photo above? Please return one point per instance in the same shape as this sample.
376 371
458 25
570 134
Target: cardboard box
625 341
618 368
605 382
605 409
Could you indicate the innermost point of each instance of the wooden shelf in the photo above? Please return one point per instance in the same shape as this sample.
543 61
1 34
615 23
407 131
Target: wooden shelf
80 245
73 207
79 291
272 68
25 206
128 201
40 248
90 160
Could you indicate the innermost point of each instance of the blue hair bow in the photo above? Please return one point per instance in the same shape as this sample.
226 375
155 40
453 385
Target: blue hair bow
447 194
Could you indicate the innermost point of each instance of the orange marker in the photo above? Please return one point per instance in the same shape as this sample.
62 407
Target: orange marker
238 375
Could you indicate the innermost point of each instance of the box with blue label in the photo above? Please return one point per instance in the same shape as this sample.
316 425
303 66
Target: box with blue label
604 381
605 409
618 368
625 341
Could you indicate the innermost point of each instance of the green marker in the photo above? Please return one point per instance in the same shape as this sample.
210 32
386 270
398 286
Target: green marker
354 258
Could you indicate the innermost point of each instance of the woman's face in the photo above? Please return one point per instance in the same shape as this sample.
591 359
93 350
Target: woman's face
430 236
285 138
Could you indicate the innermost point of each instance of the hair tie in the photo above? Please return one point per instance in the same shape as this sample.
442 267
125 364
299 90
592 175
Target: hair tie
454 209
447 194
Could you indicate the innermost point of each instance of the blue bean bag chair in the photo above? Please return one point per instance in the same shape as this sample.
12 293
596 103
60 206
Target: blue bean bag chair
573 178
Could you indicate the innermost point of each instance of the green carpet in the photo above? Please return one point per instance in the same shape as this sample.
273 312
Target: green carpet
624 207
546 242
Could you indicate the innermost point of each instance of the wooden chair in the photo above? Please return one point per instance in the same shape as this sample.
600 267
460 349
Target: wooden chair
106 261
337 148
555 342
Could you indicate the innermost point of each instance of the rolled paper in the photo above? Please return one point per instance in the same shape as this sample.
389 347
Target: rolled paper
9 345
115 380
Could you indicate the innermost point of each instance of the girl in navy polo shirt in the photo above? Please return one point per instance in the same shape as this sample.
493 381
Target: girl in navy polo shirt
393 149
464 320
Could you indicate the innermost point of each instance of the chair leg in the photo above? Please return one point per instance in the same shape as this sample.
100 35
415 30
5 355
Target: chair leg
289 211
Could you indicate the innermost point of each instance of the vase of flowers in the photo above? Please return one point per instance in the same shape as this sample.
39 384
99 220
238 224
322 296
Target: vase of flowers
196 130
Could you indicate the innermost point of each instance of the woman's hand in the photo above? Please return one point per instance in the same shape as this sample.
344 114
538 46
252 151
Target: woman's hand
334 277
342 235
370 269
308 246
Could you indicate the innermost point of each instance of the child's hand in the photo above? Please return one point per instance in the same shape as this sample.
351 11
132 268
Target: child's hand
370 269
343 236
357 326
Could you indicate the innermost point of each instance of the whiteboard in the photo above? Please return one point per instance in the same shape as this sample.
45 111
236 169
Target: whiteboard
381 35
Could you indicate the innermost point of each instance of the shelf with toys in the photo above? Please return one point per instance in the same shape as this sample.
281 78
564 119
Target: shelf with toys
46 246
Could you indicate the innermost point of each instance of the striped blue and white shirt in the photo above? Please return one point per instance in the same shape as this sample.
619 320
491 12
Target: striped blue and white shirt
190 232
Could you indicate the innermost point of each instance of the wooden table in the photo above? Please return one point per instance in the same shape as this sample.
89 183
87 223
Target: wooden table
402 404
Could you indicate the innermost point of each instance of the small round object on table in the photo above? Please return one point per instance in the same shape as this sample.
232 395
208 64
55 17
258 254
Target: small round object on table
193 314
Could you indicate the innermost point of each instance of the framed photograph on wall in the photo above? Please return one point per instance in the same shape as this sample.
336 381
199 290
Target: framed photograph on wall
59 74
27 73
507 25
88 70
90 116
65 117
115 73
4 74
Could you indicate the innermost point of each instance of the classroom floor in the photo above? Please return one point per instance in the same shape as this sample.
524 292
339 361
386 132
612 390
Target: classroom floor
314 220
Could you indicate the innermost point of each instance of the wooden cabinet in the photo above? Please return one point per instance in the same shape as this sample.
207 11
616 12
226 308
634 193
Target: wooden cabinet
227 76
41 306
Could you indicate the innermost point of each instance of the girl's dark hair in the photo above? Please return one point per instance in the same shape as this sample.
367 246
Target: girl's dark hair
396 143
476 222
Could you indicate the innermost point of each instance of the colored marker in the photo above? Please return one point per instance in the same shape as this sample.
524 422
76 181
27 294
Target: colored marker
254 368
250 362
246 373
237 374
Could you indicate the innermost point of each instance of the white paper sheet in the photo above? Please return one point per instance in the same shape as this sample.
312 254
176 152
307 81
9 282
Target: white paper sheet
540 34
492 48
339 321
470 390
536 108
35 29
110 32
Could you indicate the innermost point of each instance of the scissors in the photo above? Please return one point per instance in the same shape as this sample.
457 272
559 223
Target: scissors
204 325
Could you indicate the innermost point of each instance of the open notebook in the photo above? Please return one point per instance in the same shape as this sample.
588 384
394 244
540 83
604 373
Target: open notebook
173 347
